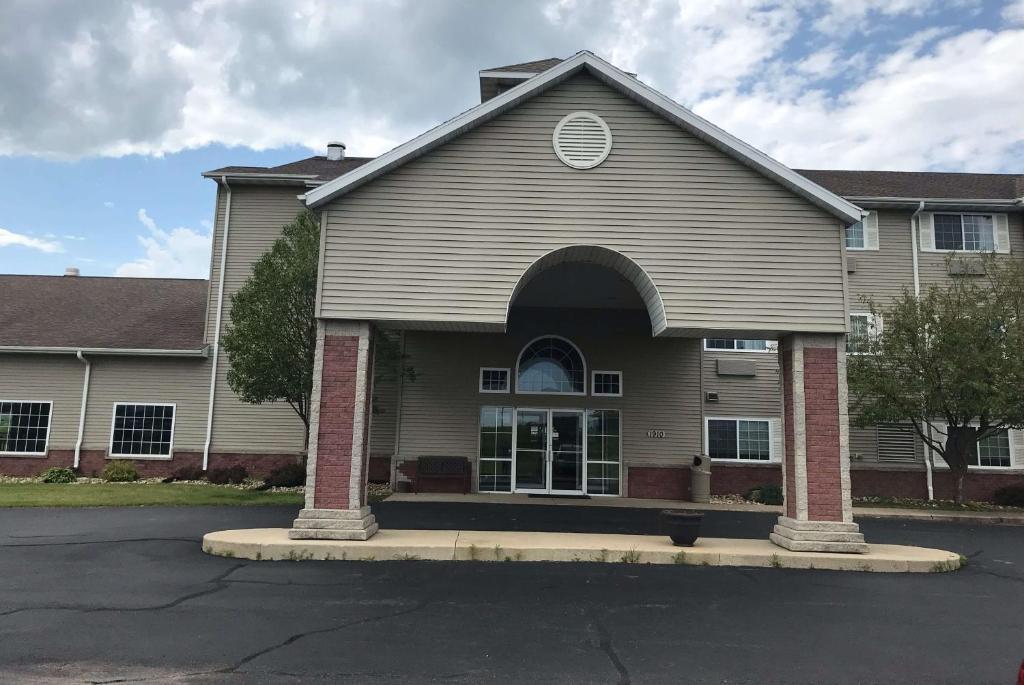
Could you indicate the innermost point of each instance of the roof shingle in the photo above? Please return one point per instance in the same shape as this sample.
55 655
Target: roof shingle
319 168
918 184
102 312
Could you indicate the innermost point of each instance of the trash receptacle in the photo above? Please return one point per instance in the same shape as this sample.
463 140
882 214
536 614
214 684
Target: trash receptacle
700 479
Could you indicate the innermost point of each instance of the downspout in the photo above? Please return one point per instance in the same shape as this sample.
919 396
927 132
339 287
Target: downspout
81 413
216 330
914 233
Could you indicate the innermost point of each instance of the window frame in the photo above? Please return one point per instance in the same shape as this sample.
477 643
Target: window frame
583 360
586 453
963 237
773 458
170 444
593 384
939 463
479 449
770 346
863 237
874 326
508 380
49 426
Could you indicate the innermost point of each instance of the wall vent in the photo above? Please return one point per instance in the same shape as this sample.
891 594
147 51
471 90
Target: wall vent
582 140
711 397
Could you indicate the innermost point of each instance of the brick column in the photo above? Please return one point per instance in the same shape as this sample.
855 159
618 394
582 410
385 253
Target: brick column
816 470
338 436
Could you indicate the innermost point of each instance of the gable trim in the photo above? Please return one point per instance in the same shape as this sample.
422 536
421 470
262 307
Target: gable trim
618 80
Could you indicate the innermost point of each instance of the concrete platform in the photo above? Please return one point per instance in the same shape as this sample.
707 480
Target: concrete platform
453 545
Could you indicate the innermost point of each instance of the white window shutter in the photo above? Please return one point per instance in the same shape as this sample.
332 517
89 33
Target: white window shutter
1017 449
871 231
938 434
876 324
927 231
1002 233
775 426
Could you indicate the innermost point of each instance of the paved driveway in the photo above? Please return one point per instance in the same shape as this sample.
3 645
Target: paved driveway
126 595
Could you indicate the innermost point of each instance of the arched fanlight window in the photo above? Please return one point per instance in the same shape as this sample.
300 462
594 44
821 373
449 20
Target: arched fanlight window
550 365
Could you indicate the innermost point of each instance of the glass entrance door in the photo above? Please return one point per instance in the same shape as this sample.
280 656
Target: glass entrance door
549 455
531 451
566 458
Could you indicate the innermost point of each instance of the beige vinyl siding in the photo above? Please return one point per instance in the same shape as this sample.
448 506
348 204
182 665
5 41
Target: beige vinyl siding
883 273
757 396
440 409
257 215
47 378
933 264
149 380
384 421
446 237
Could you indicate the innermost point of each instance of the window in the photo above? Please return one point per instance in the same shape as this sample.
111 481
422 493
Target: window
495 449
142 430
855 236
603 452
493 380
550 365
863 328
606 383
740 345
743 439
967 232
24 427
994 451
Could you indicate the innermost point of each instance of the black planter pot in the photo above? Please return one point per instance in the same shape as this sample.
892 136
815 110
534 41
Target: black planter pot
682 526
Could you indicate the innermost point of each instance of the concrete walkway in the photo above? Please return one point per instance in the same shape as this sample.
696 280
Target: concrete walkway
1009 518
454 545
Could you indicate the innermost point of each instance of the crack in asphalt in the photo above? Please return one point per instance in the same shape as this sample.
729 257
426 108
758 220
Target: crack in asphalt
220 583
605 643
319 631
95 542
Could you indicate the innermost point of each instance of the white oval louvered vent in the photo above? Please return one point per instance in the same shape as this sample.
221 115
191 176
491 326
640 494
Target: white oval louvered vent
582 140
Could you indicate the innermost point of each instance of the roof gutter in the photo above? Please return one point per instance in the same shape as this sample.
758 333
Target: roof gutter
938 202
915 233
111 351
216 330
85 402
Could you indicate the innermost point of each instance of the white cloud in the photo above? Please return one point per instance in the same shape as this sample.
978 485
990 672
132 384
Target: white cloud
74 237
9 238
954 106
155 78
178 253
108 204
1014 12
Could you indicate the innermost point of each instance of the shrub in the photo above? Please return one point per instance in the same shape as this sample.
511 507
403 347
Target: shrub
58 475
1009 496
231 474
120 471
287 476
186 473
765 494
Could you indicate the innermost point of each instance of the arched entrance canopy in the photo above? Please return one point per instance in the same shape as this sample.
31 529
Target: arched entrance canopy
601 256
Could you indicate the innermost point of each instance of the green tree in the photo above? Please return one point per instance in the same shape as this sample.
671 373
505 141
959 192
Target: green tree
271 340
948 364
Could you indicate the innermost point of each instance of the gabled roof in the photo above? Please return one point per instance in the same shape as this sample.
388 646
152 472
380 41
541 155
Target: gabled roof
311 170
918 184
95 313
614 78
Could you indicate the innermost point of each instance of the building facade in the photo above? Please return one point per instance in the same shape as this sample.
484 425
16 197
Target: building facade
592 285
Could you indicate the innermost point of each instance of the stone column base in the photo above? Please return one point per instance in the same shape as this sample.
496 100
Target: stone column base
334 524
818 536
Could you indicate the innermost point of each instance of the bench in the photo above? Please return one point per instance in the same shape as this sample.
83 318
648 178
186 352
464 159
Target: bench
443 474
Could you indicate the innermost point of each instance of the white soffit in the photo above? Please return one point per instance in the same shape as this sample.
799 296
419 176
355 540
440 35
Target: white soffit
620 81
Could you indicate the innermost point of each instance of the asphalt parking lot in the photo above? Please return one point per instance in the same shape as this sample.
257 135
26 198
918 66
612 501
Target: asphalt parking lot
126 595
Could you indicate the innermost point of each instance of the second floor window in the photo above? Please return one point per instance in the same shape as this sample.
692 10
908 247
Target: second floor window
741 345
863 328
550 365
855 236
967 232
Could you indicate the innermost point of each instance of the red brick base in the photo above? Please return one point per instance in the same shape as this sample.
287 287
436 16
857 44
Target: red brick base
655 482
93 462
739 480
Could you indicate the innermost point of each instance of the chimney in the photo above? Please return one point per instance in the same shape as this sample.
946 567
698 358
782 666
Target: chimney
335 151
72 271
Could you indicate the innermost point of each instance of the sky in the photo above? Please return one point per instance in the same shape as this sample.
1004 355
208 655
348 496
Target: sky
110 111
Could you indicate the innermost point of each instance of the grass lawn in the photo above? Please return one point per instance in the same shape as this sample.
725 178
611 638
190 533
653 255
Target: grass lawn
134 495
